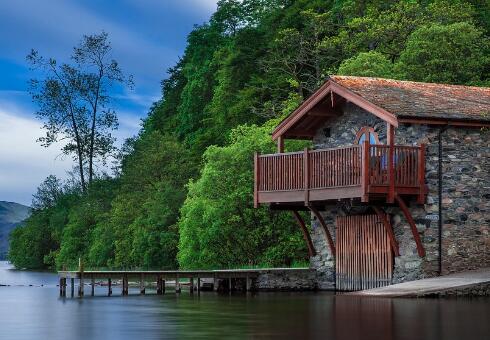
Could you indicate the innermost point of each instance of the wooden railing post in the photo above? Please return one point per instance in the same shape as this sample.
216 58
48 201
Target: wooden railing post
421 174
306 169
365 170
256 180
391 175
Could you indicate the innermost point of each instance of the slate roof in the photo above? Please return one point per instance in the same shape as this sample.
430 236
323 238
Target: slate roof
410 99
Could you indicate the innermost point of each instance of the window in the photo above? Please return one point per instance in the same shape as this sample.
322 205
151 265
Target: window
365 133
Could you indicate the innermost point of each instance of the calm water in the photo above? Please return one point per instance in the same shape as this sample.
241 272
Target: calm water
38 313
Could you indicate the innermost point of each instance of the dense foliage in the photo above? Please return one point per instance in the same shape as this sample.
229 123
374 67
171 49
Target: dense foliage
183 192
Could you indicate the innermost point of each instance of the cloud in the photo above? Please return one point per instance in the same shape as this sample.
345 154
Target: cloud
24 163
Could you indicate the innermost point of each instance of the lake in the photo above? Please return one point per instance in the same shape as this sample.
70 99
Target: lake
36 312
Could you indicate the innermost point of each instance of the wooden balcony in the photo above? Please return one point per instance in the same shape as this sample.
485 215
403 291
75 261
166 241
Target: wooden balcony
363 172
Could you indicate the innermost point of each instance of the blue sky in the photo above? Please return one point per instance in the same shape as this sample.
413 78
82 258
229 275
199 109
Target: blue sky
147 37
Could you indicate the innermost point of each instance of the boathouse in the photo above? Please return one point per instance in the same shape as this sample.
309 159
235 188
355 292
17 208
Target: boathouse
397 179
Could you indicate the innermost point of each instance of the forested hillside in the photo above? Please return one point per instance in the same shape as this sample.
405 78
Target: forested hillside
11 215
183 193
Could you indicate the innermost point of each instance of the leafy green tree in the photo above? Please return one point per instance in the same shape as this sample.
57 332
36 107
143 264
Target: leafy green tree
74 101
144 212
455 54
368 64
219 226
83 217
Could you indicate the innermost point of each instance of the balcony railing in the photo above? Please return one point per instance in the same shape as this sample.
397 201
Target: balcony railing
353 171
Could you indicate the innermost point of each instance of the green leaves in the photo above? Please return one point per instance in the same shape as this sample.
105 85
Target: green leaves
368 64
183 192
218 226
455 54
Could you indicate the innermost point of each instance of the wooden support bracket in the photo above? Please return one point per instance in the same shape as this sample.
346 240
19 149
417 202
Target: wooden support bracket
413 227
306 234
384 218
325 228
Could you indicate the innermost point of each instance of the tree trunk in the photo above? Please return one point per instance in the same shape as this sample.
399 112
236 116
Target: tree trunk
92 132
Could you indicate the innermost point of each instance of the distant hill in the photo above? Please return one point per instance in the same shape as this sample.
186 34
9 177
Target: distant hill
11 215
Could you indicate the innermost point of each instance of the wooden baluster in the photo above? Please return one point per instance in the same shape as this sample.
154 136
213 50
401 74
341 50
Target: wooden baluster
256 180
306 168
421 173
365 171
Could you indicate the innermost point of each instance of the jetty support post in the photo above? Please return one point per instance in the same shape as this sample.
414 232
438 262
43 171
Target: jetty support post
61 286
109 287
92 286
198 285
215 282
160 285
177 283
247 283
125 285
72 287
142 284
82 284
191 285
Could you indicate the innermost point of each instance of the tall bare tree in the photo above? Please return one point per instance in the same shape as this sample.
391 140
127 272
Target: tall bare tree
74 101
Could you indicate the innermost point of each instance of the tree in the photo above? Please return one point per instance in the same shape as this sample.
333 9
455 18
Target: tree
74 101
219 227
455 54
368 64
48 193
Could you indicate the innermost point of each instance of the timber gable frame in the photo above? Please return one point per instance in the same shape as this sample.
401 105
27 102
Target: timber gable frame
335 89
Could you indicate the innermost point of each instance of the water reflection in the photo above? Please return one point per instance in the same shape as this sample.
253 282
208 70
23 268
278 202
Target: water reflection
38 313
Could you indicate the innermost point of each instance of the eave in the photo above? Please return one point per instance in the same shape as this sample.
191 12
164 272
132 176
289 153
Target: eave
330 87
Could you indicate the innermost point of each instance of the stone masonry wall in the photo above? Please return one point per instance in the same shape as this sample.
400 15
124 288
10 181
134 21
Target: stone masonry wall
287 280
465 199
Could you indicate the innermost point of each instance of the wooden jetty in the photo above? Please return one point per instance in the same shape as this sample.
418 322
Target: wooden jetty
160 279
436 285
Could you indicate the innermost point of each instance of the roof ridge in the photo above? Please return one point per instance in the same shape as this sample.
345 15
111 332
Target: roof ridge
334 76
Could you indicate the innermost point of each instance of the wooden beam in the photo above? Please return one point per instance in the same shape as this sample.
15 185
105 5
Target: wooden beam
280 144
332 87
306 170
325 228
390 198
109 287
364 103
436 121
384 218
256 180
413 227
142 284
365 170
421 174
306 234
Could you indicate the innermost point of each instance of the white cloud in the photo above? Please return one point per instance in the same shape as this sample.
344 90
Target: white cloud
24 163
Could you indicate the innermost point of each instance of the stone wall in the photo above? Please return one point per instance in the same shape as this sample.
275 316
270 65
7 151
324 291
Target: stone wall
286 280
465 199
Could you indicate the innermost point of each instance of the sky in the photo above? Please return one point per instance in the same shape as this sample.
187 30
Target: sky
147 37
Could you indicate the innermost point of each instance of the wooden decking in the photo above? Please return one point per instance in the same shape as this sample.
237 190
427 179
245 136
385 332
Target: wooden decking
160 279
358 171
436 285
